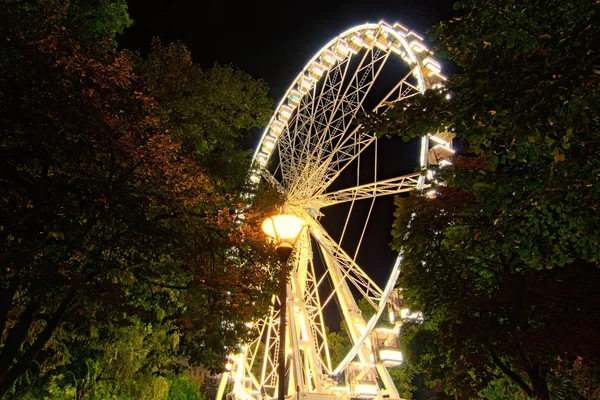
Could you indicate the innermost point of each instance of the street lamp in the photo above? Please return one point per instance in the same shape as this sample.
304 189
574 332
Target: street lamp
285 229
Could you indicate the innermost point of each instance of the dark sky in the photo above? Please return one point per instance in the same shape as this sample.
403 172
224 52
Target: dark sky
270 40
273 41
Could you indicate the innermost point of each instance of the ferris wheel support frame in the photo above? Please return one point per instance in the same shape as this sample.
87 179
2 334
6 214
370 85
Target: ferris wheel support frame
313 132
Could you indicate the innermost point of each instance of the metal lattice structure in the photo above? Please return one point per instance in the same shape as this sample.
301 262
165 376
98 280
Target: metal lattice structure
311 141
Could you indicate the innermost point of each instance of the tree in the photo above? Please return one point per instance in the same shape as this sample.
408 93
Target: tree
339 345
501 262
183 388
109 222
98 19
483 319
207 111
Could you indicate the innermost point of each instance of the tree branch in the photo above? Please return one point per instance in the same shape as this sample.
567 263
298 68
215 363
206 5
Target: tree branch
24 362
163 285
176 214
6 297
15 339
509 373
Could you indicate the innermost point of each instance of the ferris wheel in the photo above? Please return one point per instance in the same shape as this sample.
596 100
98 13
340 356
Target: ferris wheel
318 156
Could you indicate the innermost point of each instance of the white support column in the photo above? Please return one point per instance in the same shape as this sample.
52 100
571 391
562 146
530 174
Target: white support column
352 314
222 386
388 383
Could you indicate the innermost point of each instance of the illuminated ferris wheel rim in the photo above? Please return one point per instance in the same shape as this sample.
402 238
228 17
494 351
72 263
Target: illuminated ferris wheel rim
311 124
400 34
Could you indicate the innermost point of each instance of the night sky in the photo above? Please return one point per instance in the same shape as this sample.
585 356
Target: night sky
273 41
269 40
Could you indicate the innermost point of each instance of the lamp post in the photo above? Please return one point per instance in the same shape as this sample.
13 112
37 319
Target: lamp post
285 230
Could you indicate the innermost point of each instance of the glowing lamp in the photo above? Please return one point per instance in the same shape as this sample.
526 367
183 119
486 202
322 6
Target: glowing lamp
285 229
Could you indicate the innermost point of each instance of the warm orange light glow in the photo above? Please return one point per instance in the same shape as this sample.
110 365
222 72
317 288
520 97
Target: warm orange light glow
283 227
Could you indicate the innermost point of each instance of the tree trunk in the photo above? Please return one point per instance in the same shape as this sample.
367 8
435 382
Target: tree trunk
509 373
16 336
539 384
6 297
81 390
23 362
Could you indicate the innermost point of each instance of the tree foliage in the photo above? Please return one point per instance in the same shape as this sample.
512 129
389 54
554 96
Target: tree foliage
97 19
183 388
114 231
503 261
339 344
207 111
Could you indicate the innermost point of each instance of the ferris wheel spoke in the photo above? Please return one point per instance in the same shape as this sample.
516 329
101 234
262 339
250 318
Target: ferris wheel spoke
401 184
403 90
352 145
266 175
370 325
352 272
348 151
285 150
302 136
322 109
295 134
345 148
338 119
311 113
317 113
